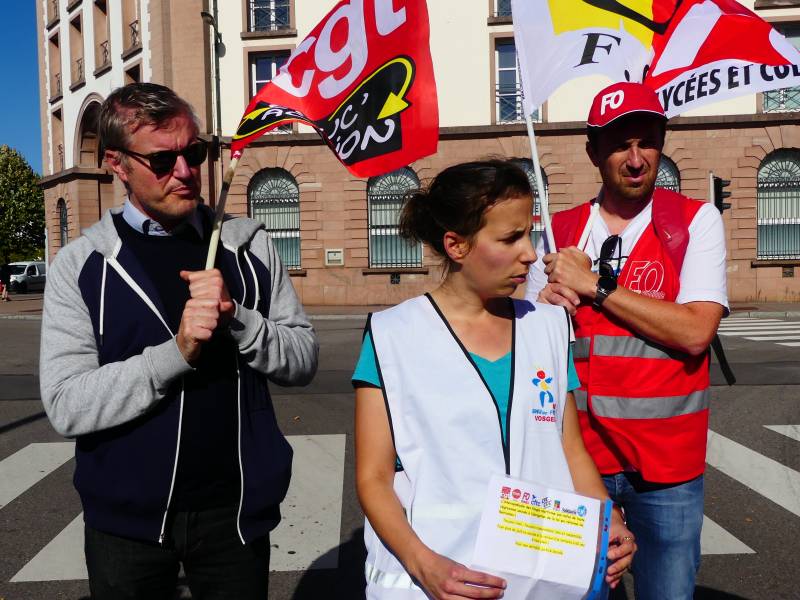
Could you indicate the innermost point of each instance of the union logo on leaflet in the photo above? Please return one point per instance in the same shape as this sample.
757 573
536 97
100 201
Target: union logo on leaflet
516 494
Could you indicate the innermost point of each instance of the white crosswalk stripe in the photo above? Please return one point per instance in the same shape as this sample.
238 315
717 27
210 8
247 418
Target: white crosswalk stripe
783 333
790 431
310 529
25 468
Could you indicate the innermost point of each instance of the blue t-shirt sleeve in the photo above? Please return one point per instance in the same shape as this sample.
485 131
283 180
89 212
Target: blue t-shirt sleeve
573 383
366 368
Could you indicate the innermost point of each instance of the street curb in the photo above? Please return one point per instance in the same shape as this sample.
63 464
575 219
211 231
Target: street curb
756 314
767 314
21 317
312 317
338 317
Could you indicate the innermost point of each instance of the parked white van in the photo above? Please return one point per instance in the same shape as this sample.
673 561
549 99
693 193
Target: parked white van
26 276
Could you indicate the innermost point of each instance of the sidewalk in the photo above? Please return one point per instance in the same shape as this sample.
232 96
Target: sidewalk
29 306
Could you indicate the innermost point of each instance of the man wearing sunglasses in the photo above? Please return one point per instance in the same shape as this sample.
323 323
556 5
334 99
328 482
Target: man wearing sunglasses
159 368
647 290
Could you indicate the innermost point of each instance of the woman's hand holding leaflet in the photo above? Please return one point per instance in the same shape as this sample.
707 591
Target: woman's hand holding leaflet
445 579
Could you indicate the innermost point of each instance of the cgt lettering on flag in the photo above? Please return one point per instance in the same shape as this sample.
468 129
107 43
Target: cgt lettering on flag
372 99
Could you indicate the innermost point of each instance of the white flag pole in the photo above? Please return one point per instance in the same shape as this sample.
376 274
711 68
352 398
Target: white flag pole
543 203
220 213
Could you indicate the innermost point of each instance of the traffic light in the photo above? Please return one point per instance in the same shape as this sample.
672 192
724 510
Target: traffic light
720 194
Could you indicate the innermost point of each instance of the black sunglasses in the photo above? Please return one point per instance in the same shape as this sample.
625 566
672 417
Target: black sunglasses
163 161
611 246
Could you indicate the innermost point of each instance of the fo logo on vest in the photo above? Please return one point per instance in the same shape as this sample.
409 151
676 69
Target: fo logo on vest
646 277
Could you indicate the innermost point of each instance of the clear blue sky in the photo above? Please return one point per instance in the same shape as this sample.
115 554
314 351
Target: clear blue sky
19 74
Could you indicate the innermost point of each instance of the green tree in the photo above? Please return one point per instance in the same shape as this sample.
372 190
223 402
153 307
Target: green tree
21 207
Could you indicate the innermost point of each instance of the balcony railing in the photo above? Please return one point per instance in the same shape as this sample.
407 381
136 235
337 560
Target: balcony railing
270 15
783 100
77 70
502 8
509 104
134 38
103 54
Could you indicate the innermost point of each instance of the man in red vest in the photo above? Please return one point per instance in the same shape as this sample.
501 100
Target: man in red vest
642 269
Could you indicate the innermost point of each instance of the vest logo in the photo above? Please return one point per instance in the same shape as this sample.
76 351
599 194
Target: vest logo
546 412
646 277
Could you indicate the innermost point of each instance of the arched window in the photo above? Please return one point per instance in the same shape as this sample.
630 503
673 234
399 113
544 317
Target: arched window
63 225
526 165
778 209
386 195
275 201
669 176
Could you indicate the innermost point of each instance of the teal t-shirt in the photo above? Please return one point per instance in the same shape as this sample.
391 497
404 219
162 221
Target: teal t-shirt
497 375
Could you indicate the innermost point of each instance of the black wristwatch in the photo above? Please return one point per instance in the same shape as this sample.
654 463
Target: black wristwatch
605 286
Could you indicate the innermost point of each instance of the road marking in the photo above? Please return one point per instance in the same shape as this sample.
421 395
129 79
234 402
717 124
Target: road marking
774 338
749 320
762 332
754 328
790 344
26 467
771 479
60 560
738 324
790 431
716 540
308 537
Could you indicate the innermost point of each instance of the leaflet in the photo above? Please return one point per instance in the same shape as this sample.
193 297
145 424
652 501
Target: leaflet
547 543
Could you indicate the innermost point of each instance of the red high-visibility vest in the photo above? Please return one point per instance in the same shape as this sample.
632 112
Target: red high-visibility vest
641 406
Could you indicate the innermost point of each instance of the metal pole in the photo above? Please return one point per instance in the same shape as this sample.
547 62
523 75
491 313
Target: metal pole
545 208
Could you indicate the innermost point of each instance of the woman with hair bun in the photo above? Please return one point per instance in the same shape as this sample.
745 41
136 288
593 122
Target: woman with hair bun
460 384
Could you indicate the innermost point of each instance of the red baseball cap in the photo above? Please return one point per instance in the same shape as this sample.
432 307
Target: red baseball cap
620 99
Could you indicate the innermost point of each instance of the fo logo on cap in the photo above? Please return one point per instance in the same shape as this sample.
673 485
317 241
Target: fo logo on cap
622 99
612 100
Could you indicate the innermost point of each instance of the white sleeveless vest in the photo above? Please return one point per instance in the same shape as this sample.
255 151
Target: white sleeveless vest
446 426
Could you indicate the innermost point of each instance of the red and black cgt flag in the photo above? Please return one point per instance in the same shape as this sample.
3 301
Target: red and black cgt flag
363 78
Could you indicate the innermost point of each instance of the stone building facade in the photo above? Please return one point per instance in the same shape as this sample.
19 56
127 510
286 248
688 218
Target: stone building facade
337 233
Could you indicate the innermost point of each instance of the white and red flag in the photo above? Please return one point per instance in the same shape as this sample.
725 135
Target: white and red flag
691 52
363 78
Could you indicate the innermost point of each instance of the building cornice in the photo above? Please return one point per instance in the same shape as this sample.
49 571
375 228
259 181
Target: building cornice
548 129
90 173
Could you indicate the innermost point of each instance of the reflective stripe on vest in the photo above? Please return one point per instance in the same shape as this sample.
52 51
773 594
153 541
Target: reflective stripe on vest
580 348
580 400
622 346
659 407
384 579
629 347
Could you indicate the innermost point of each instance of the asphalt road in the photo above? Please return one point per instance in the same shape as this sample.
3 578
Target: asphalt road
749 482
